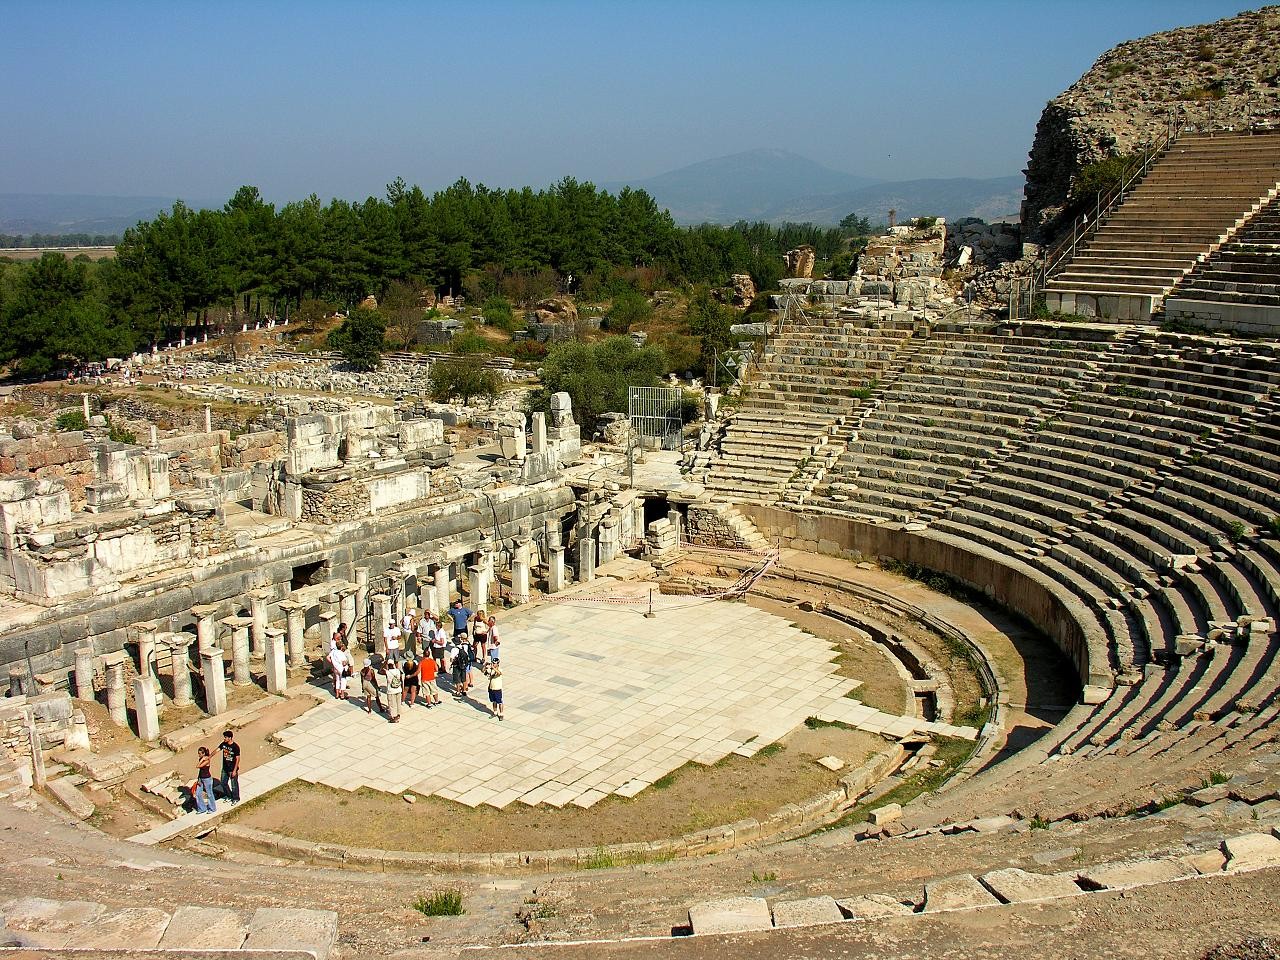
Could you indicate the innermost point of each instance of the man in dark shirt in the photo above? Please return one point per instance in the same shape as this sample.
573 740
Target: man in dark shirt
461 617
230 766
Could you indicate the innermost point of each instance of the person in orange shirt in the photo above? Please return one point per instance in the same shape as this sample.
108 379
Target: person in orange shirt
427 671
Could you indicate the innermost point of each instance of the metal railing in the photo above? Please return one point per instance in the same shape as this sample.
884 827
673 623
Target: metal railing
1024 292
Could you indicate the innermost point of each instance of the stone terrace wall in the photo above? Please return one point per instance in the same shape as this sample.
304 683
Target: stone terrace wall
1006 581
51 456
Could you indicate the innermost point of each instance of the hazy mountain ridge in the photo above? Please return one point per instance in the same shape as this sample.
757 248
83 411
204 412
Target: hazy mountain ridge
769 184
954 198
777 185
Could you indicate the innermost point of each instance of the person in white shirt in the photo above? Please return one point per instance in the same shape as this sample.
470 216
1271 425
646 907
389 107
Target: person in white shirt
392 637
341 664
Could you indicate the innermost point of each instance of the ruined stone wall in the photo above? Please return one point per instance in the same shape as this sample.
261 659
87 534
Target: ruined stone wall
51 456
1222 73
706 527
376 542
336 502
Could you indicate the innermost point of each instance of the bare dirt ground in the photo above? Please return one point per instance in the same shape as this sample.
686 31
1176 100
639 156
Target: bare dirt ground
692 798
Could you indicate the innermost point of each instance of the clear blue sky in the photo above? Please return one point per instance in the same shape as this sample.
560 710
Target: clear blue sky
193 98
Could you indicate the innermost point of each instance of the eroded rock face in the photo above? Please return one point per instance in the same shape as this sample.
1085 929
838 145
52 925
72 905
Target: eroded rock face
800 261
556 310
744 290
1222 73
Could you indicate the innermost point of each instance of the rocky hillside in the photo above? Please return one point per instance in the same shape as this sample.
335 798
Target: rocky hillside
1223 73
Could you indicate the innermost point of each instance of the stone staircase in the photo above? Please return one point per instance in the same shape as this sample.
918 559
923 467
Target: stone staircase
1238 286
92 929
804 390
1192 199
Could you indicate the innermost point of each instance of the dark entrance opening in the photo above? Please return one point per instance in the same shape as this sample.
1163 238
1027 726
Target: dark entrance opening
307 574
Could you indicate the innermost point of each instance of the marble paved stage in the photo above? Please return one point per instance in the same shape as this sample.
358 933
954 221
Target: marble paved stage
599 700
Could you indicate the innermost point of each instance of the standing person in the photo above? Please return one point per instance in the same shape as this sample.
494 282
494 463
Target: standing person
341 664
369 685
495 692
406 630
392 637
203 790
461 668
479 635
461 617
411 680
495 642
438 640
423 629
230 766
395 689
339 636
427 673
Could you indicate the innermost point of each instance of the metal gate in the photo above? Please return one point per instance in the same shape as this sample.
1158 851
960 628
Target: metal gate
654 413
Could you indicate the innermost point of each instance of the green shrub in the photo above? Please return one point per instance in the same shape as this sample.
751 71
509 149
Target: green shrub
497 313
602 859
529 350
1122 69
1274 525
119 434
924 223
769 876
1100 178
443 903
72 420
1236 531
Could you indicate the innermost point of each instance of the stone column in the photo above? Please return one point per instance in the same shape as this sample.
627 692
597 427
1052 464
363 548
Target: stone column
586 557
328 627
347 609
409 584
206 629
146 650
637 520
239 626
179 643
258 627
215 680
555 559
442 587
84 673
479 587
673 515
116 703
17 680
38 777
362 593
608 536
538 434
520 572
208 419
144 702
296 623
381 615
277 675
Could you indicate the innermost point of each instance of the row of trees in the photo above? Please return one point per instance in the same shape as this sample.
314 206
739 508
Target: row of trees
189 267
28 240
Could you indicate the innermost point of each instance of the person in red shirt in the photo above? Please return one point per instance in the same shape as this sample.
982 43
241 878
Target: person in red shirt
427 671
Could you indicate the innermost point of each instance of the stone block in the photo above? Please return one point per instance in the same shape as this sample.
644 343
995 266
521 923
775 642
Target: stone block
1212 861
1137 873
275 928
204 928
956 893
872 906
133 928
39 915
807 912
734 915
70 796
1251 851
1019 886
886 814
